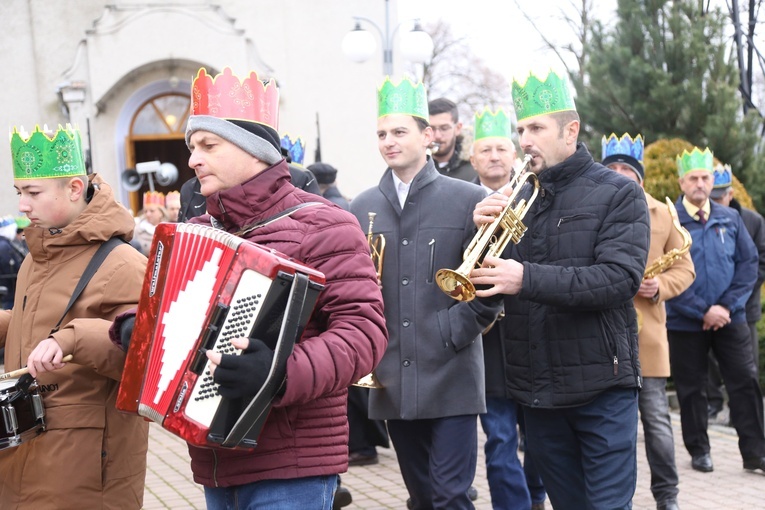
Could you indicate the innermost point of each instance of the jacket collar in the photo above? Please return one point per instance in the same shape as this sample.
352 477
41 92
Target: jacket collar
425 176
567 170
252 200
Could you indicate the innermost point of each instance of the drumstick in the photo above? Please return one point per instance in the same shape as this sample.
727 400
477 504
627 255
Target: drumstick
18 373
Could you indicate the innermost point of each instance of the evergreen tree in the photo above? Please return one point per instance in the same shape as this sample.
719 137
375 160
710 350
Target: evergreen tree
666 70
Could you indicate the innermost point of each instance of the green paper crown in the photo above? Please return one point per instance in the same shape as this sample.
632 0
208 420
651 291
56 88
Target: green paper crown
406 98
695 160
535 97
492 125
42 157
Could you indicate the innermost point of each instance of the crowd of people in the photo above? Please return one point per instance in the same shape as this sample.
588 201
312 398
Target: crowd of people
558 340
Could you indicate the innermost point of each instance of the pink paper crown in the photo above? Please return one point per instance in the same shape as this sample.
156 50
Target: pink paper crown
227 97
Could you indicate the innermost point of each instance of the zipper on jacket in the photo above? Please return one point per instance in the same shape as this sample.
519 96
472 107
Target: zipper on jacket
616 365
215 468
432 245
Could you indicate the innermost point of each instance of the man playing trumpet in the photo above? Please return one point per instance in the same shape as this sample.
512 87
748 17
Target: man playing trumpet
568 288
625 156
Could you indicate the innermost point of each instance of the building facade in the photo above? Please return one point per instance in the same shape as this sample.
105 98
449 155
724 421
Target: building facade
122 72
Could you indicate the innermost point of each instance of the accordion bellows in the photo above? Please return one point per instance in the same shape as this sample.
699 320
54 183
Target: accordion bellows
204 287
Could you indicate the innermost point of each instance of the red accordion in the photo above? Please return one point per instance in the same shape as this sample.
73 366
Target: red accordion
204 287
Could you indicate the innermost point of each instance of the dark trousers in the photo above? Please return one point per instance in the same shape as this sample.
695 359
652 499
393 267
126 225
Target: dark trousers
587 455
731 345
437 458
364 435
715 389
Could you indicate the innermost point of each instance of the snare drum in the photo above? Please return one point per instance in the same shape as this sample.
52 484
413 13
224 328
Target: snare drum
22 413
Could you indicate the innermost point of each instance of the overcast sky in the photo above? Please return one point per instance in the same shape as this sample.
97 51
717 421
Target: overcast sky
499 34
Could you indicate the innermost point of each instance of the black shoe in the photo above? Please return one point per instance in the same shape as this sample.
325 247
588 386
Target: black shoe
670 504
703 463
342 498
359 459
713 409
755 464
409 503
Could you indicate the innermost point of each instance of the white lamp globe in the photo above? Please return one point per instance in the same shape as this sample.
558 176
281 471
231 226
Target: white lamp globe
358 44
417 45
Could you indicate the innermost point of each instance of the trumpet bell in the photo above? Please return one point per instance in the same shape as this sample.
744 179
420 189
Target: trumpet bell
455 285
368 381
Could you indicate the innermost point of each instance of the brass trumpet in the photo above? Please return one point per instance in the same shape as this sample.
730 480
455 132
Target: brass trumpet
665 261
492 238
377 251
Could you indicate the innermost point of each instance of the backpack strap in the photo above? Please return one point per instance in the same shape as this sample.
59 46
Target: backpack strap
93 265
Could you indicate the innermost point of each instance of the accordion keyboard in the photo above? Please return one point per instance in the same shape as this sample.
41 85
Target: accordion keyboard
244 309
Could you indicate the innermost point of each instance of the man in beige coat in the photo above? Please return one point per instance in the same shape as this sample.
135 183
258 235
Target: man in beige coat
91 456
625 156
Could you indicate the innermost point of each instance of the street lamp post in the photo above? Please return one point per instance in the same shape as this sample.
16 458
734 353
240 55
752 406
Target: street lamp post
359 44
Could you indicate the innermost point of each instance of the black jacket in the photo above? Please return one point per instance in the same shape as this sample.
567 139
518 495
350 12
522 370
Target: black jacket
456 167
571 333
755 225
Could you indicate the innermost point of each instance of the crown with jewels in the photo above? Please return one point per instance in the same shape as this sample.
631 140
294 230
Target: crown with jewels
225 96
40 156
295 149
723 176
407 98
695 160
536 97
626 146
156 198
492 125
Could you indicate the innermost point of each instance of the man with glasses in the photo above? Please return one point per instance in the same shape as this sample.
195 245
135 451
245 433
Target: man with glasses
446 148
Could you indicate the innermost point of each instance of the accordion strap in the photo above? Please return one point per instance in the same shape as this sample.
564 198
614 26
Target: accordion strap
287 212
255 414
90 270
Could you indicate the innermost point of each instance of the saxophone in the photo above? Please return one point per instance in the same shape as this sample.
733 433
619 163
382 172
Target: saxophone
665 261
377 252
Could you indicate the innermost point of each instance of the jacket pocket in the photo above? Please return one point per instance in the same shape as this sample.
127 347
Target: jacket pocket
609 342
432 261
575 217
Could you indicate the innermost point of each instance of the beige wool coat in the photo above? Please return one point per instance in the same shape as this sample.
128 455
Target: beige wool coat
91 456
652 342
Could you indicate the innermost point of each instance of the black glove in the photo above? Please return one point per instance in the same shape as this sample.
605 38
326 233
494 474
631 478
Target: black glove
244 375
126 331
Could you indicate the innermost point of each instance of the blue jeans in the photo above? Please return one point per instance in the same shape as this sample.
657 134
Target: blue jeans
507 482
312 493
659 442
587 455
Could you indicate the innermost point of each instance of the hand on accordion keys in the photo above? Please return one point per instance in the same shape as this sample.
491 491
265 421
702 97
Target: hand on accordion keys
242 375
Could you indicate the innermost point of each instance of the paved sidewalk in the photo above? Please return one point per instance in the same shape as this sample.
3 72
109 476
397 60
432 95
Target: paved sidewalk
169 484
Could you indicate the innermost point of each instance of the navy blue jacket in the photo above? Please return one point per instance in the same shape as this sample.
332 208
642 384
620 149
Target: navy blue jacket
726 263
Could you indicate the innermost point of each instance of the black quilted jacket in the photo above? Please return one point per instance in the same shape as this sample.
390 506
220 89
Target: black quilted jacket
571 332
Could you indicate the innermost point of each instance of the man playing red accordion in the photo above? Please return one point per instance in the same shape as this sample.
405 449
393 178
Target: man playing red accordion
235 153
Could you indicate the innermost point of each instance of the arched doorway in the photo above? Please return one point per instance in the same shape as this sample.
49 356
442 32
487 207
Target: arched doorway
157 132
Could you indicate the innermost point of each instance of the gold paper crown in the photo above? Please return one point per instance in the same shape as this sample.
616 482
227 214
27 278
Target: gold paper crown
153 198
173 196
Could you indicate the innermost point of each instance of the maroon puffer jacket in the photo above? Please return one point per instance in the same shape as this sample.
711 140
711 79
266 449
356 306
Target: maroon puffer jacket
306 433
